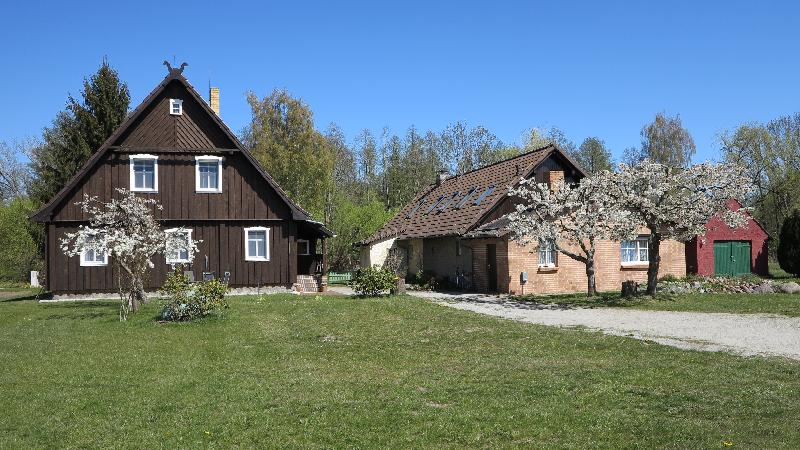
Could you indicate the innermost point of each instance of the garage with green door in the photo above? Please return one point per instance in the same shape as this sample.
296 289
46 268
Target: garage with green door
731 257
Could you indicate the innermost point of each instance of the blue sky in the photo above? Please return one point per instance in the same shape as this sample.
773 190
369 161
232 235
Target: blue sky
591 68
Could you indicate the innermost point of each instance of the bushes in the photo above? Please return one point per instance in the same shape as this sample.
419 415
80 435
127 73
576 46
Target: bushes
188 301
18 236
373 281
789 244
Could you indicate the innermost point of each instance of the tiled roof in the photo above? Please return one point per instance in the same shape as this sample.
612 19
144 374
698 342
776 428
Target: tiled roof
457 221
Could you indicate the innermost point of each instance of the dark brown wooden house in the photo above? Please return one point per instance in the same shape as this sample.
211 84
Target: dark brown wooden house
175 148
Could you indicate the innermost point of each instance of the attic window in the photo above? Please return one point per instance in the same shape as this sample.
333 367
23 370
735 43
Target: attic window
175 107
485 194
466 198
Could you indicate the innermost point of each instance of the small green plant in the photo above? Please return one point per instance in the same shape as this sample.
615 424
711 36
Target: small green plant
373 281
188 301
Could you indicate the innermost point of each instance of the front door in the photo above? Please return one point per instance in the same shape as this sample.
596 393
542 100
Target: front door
491 267
731 257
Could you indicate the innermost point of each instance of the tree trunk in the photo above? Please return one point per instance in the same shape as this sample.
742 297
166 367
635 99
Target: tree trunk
591 288
655 260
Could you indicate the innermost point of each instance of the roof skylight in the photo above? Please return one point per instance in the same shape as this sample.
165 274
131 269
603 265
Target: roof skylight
485 193
433 205
419 204
448 201
464 200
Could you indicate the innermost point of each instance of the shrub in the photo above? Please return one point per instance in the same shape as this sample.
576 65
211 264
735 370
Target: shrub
373 281
789 244
188 301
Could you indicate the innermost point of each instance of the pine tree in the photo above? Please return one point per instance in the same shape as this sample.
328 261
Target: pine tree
78 132
789 245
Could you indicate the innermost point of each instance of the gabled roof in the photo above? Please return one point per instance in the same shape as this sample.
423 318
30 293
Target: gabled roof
458 221
175 75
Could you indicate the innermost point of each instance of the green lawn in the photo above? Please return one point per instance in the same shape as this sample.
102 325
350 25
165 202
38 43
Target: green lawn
784 304
777 273
335 372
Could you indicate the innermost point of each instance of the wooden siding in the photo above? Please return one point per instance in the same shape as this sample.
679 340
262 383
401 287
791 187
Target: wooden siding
223 244
156 127
240 198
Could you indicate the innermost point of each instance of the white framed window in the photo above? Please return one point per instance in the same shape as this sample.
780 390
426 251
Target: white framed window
144 173
208 173
175 107
547 253
303 247
635 252
91 257
256 244
180 255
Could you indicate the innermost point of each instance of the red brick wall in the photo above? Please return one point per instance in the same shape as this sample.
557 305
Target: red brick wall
570 275
700 251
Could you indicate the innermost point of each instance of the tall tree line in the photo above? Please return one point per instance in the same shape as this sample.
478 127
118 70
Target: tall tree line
355 186
771 153
53 159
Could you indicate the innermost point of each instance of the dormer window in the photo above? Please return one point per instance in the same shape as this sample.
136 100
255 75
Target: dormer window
175 106
144 173
208 174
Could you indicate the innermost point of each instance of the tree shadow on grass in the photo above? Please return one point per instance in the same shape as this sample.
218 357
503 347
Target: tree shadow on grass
81 310
573 301
19 298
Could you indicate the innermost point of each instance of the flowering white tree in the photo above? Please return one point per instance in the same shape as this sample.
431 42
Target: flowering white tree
571 218
676 203
125 230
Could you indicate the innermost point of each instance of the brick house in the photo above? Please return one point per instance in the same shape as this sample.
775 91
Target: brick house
453 230
729 251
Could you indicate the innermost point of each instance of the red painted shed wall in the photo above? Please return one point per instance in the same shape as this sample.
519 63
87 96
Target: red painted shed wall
700 252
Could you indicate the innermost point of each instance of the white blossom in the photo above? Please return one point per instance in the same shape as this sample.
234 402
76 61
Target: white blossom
570 216
677 203
125 230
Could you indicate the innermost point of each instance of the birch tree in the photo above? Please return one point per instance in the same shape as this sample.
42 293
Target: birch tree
125 230
676 203
573 218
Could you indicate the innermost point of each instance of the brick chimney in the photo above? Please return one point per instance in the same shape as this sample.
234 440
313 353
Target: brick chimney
554 177
213 99
441 176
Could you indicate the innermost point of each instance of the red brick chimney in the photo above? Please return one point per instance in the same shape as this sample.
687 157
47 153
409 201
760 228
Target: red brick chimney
554 177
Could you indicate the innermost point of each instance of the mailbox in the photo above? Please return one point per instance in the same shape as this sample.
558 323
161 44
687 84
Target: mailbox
523 277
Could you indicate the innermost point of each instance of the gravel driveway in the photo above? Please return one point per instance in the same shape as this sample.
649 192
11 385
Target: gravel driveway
742 334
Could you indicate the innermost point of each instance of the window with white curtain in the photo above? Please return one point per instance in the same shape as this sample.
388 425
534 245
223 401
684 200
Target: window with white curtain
634 252
547 253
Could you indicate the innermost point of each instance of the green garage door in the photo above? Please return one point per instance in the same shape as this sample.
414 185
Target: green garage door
731 257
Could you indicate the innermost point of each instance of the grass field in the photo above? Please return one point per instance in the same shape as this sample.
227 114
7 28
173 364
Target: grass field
783 304
289 371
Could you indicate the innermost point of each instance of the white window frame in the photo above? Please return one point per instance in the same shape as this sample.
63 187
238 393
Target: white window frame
207 158
545 250
173 102
188 260
308 247
640 243
143 157
94 262
247 255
